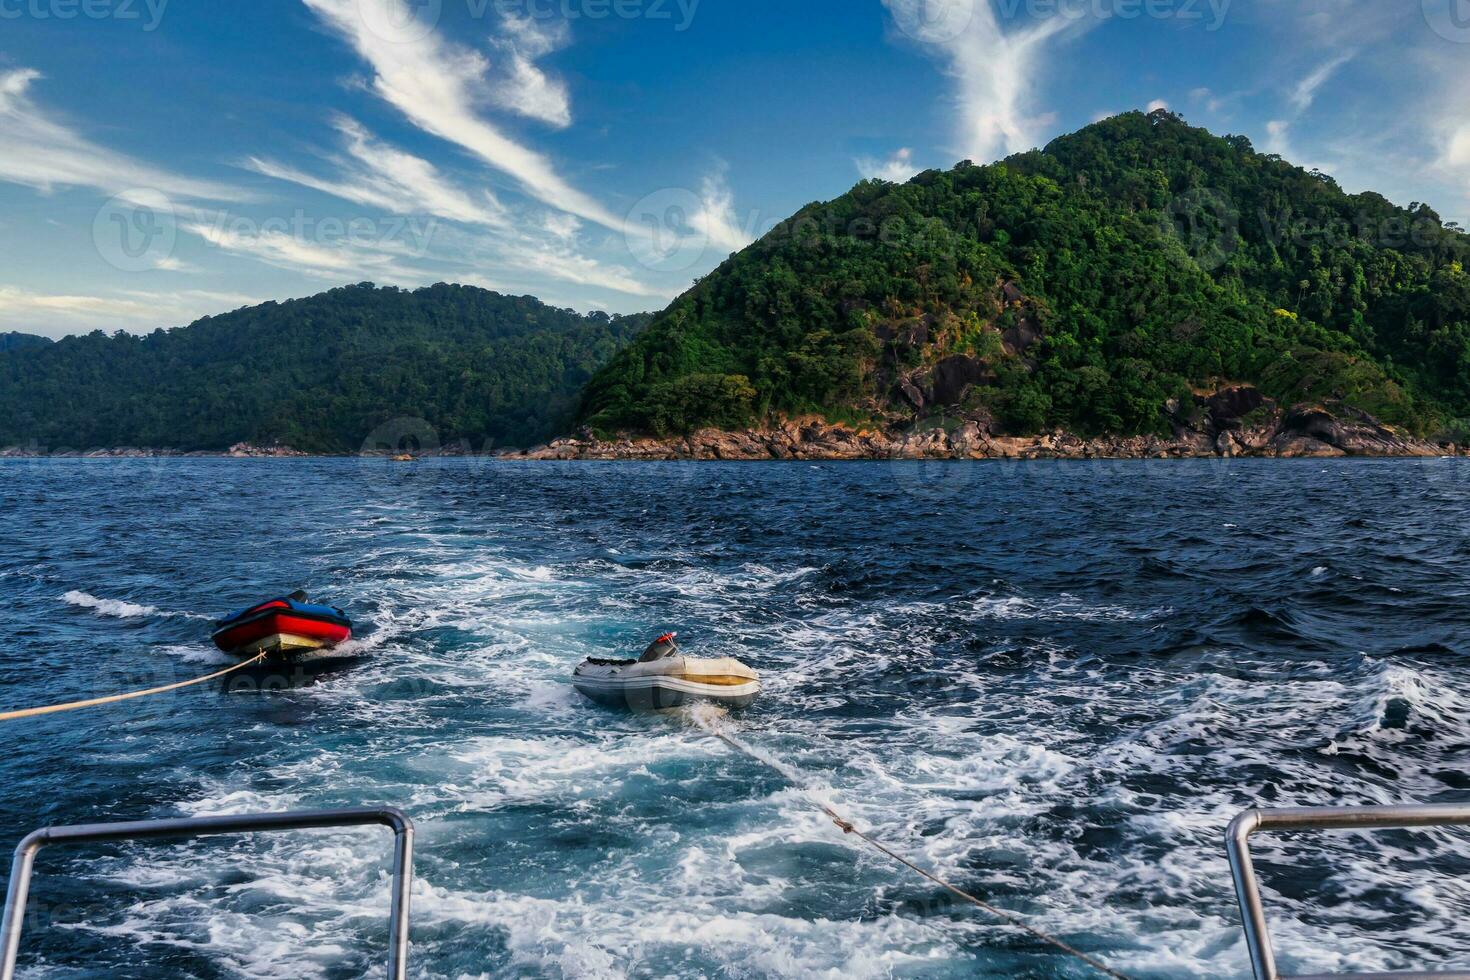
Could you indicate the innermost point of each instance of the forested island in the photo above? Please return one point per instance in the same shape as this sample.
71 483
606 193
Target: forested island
1140 287
320 374
1109 285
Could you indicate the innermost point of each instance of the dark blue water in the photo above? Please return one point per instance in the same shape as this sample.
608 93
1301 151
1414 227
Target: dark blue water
1054 682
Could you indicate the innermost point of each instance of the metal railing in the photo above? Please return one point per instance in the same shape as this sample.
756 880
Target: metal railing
1247 890
393 819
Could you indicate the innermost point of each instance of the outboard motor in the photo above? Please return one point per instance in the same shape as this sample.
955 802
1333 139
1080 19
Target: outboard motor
660 649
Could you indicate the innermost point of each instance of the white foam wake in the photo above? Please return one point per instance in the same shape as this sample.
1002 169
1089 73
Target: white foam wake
120 608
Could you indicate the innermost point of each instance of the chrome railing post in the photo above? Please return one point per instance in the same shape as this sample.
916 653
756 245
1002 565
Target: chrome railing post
15 901
390 817
1248 891
1248 894
402 889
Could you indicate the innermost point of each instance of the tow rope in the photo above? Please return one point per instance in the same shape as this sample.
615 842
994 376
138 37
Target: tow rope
847 827
94 702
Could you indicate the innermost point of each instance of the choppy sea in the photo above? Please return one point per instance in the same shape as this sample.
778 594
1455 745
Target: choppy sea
1054 683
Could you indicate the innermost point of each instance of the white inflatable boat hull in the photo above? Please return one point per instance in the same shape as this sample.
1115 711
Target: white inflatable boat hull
669 683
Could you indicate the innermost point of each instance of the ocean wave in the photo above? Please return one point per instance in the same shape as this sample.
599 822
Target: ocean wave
120 608
1062 606
1056 696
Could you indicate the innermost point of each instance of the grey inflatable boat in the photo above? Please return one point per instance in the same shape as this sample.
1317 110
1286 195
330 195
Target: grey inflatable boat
664 678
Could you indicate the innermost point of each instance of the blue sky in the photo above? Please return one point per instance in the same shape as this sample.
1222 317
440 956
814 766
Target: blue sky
165 159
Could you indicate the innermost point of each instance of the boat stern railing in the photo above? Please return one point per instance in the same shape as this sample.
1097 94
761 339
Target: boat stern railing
185 827
1248 892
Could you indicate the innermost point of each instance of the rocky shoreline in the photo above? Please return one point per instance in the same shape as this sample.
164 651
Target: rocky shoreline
241 450
1234 422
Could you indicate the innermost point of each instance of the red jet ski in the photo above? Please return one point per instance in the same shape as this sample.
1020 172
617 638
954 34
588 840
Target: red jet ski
285 627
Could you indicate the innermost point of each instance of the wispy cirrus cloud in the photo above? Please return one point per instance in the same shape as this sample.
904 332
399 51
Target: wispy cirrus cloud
378 175
1305 92
526 88
378 254
1300 99
993 69
716 218
39 150
59 314
438 87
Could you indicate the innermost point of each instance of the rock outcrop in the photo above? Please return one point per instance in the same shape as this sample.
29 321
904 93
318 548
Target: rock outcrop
1234 421
243 449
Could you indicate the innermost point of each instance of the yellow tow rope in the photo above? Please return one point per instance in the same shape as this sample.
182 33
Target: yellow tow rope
93 702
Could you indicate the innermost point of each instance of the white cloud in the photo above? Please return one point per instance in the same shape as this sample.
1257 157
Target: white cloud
437 86
1207 98
527 89
545 247
716 219
1276 137
563 227
898 168
381 176
993 70
1156 105
334 258
1301 97
1457 147
37 150
59 314
1306 90
565 264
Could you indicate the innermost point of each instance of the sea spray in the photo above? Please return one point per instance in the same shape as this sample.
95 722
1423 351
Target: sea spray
122 609
715 721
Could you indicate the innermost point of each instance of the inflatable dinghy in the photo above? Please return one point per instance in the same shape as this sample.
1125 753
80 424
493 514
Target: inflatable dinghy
289 627
664 678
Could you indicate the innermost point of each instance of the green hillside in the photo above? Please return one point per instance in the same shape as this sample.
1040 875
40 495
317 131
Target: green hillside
319 374
17 341
1083 286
